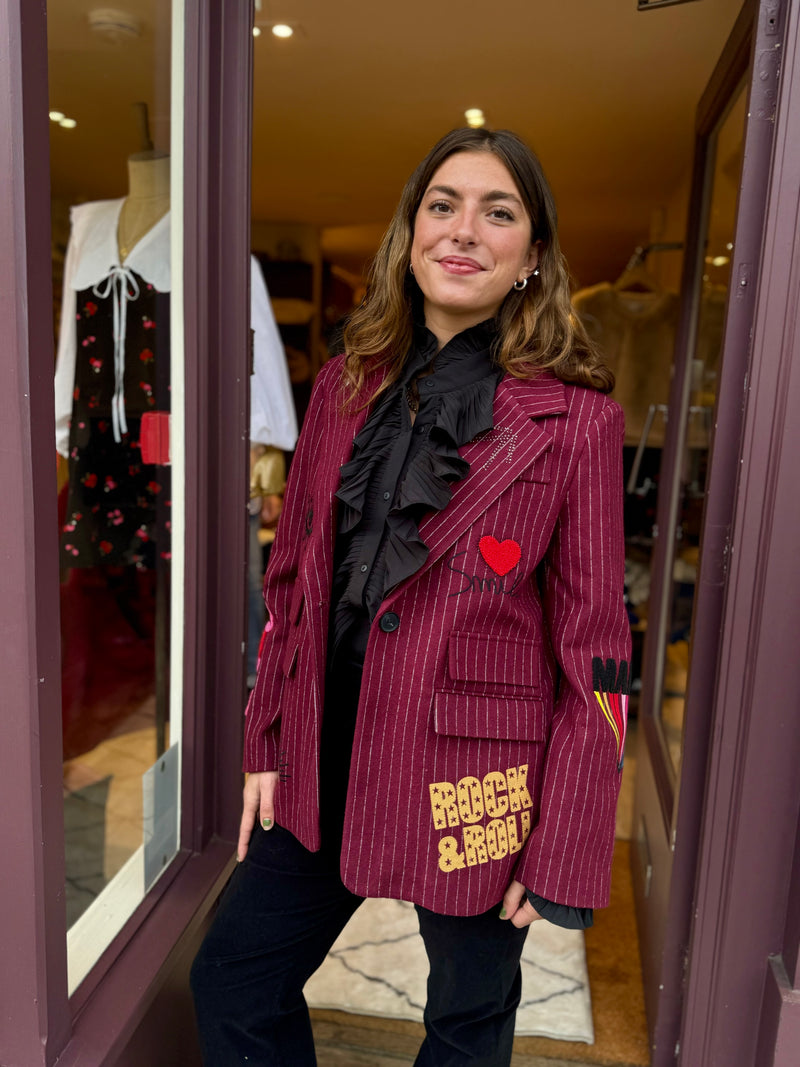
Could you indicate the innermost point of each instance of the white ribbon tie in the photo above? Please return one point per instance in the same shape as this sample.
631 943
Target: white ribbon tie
120 283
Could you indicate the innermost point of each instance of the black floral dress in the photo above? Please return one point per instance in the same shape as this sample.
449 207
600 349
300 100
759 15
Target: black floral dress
118 508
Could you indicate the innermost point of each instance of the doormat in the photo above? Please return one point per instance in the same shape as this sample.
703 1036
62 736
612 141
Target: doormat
378 967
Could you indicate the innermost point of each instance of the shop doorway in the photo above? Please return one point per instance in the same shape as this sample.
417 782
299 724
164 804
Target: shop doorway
324 186
698 453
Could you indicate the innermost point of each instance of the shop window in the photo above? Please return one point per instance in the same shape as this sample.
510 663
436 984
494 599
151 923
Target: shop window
116 180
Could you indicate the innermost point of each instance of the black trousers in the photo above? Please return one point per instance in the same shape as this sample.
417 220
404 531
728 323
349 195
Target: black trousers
284 908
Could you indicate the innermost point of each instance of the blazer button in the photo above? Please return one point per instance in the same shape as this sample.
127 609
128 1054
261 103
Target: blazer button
389 622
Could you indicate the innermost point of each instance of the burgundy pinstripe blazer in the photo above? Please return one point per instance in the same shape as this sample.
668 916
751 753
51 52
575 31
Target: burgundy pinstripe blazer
491 722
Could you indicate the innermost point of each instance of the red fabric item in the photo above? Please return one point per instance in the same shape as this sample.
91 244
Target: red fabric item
482 751
154 437
107 651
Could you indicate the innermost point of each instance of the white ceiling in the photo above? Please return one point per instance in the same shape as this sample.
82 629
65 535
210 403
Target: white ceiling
345 109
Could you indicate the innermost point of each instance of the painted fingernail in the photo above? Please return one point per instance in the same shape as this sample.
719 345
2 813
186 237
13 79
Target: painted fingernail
502 913
266 823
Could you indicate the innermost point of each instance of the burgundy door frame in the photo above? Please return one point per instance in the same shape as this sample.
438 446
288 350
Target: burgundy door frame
667 831
33 966
38 1023
666 922
741 1006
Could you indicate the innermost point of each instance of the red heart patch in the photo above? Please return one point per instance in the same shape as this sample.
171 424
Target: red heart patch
502 556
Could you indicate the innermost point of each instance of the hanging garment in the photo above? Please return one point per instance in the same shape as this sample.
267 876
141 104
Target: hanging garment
112 367
272 415
636 332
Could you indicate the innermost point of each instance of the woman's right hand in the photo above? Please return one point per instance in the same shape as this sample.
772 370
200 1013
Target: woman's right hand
258 802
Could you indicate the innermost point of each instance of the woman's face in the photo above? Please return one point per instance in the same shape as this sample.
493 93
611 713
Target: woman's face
472 241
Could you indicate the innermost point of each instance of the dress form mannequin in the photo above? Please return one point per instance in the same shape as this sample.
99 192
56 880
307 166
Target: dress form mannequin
113 367
147 200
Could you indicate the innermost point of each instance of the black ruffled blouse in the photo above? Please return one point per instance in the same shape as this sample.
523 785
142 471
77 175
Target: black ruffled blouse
401 470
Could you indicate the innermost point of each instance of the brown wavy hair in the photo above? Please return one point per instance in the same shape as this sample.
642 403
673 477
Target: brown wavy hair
537 326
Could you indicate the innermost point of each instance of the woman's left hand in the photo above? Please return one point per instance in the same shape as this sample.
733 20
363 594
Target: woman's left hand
516 906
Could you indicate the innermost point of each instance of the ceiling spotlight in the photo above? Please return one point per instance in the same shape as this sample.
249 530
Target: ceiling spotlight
115 26
475 117
280 29
68 124
56 116
256 31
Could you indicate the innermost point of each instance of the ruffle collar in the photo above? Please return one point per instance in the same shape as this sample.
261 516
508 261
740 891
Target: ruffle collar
456 387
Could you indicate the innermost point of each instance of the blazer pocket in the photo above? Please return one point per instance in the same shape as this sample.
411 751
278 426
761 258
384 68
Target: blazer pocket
498 717
539 470
297 604
293 641
290 655
493 662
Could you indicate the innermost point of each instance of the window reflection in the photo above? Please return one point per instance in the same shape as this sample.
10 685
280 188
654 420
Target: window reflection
112 226
699 419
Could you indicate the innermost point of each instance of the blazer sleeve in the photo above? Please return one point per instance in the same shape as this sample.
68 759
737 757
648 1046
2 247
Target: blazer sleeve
262 716
567 857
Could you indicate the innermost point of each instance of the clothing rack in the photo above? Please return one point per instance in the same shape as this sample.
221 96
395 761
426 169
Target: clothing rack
641 252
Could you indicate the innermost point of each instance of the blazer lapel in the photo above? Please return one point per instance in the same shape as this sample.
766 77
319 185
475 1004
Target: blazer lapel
496 459
336 448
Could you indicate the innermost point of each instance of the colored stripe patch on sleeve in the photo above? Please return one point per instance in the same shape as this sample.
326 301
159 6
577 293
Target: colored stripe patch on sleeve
612 688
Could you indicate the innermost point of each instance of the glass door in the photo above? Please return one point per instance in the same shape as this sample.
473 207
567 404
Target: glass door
696 423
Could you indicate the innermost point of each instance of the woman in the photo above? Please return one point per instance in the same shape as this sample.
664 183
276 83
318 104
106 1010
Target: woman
439 712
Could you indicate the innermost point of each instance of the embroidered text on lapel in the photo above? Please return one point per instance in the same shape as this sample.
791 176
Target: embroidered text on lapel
478 583
502 556
503 440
